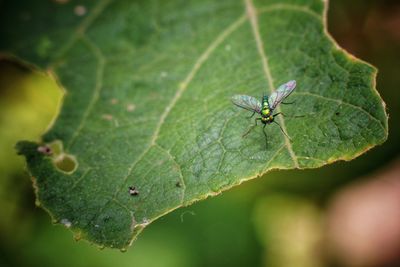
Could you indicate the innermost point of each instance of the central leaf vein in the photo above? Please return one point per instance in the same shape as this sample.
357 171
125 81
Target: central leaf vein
251 13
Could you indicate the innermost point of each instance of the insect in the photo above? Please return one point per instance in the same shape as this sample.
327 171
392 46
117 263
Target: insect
267 105
133 191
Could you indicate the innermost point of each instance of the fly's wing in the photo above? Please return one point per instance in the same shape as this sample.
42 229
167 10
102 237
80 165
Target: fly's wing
281 93
247 102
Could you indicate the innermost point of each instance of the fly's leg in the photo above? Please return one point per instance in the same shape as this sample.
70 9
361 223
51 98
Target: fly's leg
280 113
283 131
251 128
266 138
288 103
252 115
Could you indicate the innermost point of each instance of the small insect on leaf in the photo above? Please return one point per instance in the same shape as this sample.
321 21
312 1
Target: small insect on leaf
133 191
266 106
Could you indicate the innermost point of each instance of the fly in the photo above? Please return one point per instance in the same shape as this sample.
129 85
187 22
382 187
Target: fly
266 107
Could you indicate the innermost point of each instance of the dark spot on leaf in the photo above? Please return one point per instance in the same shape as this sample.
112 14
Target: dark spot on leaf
45 150
337 113
178 184
133 191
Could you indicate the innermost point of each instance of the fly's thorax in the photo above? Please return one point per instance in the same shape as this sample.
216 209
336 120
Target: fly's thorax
265 111
265 106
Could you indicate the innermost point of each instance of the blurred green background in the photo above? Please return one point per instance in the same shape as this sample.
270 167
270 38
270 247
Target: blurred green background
276 220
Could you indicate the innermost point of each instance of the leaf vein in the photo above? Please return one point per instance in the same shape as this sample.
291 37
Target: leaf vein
81 29
341 102
203 58
182 180
252 16
183 86
268 164
96 92
298 8
80 179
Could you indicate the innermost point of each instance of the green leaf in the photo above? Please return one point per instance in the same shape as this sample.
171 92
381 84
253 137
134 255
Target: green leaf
147 103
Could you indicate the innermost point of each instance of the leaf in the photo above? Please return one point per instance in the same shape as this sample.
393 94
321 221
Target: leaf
302 222
148 103
27 104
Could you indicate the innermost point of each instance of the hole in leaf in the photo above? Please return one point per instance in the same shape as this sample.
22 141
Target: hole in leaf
56 147
66 163
63 162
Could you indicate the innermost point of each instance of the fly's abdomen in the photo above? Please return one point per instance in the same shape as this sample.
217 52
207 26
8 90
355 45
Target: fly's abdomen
267 119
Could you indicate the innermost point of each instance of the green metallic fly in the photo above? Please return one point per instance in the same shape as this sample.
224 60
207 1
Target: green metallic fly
267 105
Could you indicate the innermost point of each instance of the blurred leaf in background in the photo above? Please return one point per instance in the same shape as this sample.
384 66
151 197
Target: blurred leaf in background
363 222
291 230
28 102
